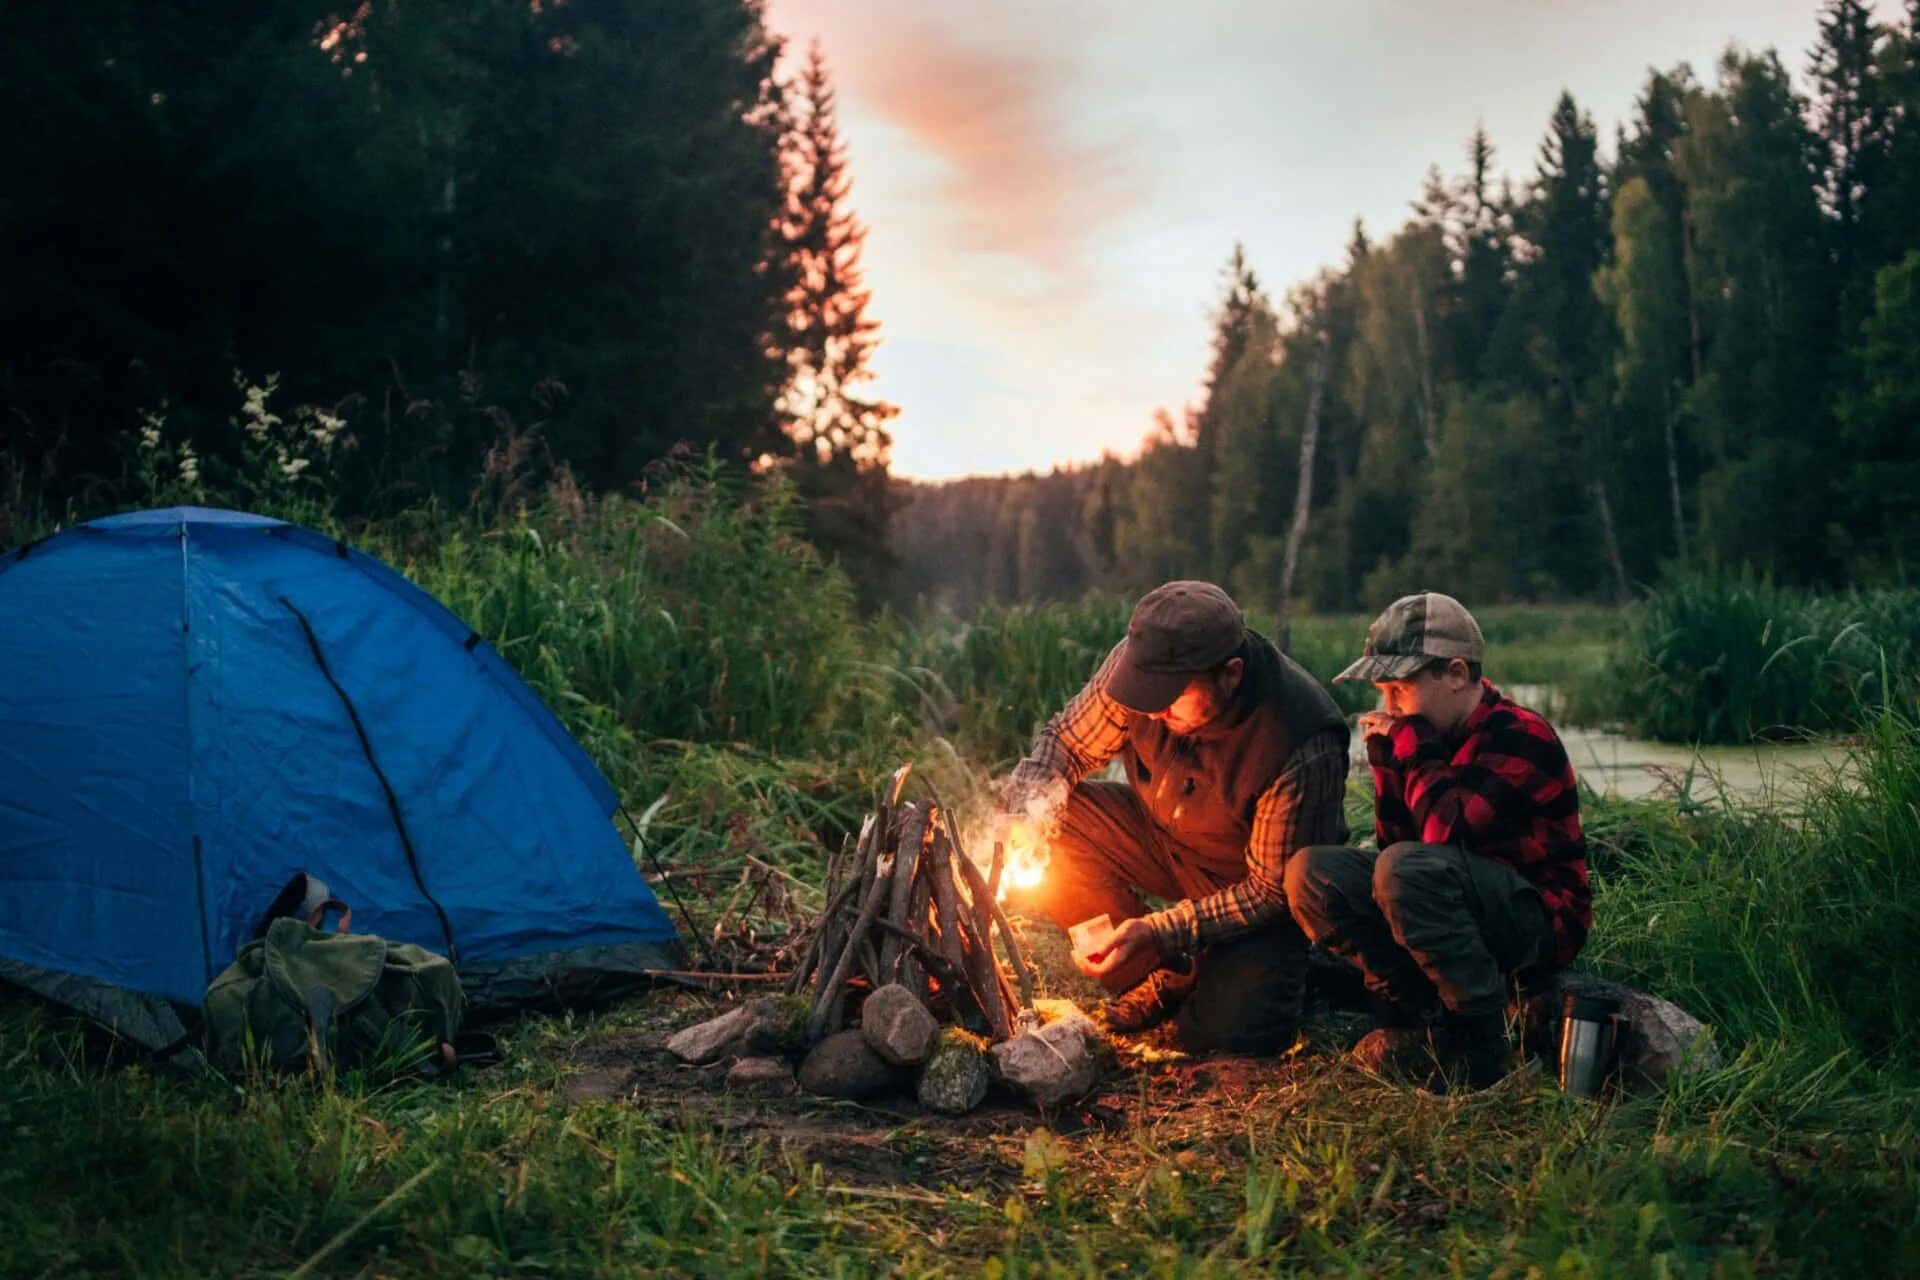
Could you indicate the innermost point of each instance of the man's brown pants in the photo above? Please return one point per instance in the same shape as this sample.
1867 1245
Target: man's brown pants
1427 924
1247 993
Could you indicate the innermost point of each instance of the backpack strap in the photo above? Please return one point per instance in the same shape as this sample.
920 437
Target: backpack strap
307 899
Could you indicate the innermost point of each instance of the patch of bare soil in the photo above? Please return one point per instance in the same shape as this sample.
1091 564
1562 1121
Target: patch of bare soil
892 1143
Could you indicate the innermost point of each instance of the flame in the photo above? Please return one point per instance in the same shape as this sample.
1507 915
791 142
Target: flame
1027 856
1025 868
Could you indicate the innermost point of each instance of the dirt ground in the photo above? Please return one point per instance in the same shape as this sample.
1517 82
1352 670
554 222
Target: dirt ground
892 1145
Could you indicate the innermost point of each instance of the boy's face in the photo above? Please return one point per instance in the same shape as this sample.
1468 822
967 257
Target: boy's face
1442 697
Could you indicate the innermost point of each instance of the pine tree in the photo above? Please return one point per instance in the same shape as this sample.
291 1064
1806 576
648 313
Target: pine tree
838 433
1851 113
1565 223
1750 167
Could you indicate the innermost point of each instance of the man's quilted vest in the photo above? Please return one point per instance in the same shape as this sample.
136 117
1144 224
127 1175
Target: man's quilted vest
1201 789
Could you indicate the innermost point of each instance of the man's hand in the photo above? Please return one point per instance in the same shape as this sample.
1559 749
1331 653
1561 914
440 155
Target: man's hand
1130 945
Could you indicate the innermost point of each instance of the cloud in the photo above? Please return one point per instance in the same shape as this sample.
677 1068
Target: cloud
1019 172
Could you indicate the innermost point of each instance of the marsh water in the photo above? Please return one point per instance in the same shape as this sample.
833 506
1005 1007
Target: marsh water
1770 774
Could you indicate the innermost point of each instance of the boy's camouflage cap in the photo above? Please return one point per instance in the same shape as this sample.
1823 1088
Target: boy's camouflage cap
1412 632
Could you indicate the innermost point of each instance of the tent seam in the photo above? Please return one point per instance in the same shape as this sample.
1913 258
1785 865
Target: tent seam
193 800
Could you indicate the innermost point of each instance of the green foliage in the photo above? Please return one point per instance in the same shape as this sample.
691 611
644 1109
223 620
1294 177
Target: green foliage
1002 674
564 211
1781 930
1727 656
1878 408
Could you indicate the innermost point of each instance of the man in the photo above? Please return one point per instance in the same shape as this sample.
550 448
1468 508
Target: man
1234 757
1482 869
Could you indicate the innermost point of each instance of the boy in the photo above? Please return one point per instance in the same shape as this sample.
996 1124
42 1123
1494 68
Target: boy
1482 869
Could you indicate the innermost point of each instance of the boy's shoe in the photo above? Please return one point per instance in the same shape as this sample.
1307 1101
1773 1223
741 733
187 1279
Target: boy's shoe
1462 1053
1155 999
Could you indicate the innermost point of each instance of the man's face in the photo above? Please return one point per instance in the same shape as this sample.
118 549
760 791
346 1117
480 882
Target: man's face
1204 698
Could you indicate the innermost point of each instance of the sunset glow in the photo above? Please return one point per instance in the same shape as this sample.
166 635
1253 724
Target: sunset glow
1051 190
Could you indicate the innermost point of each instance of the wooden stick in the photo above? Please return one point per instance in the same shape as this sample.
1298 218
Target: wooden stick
979 887
984 973
715 977
935 962
946 902
824 1007
913 830
830 938
993 873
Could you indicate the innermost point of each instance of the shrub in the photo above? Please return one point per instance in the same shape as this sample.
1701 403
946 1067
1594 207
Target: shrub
1720 656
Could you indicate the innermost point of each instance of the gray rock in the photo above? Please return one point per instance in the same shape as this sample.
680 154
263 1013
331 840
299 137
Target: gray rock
1656 1038
770 1076
898 1026
1052 1064
750 1030
1659 1039
844 1065
956 1076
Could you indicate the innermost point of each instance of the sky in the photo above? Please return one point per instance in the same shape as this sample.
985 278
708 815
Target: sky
1052 187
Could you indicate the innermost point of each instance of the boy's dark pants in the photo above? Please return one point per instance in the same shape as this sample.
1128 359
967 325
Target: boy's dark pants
1422 921
1247 993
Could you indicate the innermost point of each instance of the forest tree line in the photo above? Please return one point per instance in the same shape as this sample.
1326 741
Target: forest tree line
494 240
1701 344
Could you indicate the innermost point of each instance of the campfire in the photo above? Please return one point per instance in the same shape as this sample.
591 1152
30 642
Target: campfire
910 908
899 982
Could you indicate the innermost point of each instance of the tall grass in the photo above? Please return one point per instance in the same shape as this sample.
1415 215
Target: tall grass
1723 656
1003 673
1781 931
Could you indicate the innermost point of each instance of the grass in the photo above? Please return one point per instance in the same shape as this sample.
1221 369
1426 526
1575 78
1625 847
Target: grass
743 712
1722 656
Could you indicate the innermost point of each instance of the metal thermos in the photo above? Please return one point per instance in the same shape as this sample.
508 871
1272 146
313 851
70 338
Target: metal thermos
1587 1028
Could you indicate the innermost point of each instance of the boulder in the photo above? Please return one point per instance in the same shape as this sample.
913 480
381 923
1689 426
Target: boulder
750 1030
956 1076
770 1076
1053 1064
898 1026
844 1065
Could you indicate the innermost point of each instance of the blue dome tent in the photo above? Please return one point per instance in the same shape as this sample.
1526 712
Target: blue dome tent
196 704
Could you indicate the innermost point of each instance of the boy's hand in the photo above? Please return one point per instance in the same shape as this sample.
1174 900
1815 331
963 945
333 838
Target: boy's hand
1377 724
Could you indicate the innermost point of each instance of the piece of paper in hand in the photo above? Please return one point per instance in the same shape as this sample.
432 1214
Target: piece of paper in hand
1090 936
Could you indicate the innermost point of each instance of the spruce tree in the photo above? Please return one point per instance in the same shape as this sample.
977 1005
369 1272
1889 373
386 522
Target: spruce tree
1850 111
838 433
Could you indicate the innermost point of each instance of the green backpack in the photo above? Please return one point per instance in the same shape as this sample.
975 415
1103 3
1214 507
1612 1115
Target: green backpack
302 997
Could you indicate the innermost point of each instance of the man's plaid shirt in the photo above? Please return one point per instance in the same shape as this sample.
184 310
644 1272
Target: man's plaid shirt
1302 806
1506 792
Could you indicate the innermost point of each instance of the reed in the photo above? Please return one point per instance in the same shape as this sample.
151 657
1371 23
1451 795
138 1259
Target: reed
1728 656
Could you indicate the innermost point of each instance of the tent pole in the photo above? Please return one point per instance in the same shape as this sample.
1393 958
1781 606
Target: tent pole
666 878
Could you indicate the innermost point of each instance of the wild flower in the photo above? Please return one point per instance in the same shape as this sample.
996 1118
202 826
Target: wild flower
291 467
326 428
259 421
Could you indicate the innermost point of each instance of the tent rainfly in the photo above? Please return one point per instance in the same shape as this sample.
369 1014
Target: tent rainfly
195 704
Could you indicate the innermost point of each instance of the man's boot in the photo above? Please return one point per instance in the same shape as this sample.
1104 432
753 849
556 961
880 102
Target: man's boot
1151 1002
1401 1043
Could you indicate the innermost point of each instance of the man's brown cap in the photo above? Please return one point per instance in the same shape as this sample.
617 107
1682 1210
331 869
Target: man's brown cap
1177 631
1413 632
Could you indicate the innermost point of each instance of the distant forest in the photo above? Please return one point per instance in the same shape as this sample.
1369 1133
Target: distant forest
1702 344
476 254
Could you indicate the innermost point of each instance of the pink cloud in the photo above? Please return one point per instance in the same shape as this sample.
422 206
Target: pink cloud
995 118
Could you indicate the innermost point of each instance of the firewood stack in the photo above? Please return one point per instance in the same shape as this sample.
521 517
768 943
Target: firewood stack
908 906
